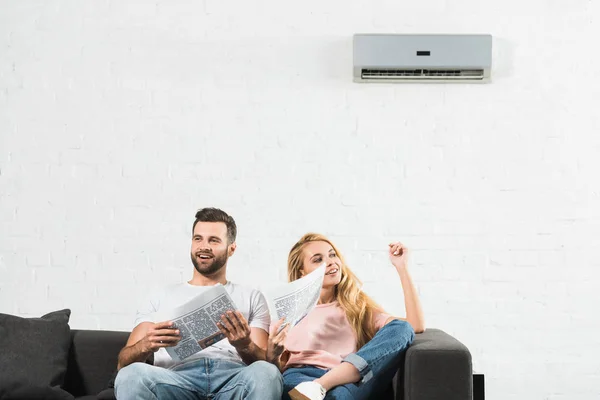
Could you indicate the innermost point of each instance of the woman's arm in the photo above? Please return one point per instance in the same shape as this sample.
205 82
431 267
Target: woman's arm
414 312
276 353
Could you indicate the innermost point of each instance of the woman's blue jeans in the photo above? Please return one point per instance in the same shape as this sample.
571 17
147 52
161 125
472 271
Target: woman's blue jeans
377 362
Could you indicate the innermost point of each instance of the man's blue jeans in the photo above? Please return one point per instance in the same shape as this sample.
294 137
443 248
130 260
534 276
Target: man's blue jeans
204 378
377 362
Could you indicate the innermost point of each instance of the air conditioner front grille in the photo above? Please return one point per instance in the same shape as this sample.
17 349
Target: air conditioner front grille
425 74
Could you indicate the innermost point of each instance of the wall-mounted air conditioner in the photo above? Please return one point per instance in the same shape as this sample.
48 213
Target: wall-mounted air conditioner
422 58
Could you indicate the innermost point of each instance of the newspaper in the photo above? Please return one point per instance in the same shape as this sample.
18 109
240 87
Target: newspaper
196 321
294 300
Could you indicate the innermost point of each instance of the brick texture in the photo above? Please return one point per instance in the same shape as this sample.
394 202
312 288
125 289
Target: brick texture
119 118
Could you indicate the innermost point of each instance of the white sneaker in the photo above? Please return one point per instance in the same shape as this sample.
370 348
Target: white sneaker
308 391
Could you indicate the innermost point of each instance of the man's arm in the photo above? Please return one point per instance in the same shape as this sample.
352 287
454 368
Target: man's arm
257 349
250 343
145 339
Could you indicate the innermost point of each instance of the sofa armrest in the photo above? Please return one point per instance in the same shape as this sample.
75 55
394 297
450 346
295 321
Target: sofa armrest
436 367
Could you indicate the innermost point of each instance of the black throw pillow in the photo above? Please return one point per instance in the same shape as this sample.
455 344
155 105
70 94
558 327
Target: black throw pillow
34 353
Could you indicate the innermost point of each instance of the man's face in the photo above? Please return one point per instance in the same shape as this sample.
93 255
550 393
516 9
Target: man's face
210 250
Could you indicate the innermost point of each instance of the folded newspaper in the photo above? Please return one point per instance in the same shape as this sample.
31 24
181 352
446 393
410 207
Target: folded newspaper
197 321
294 300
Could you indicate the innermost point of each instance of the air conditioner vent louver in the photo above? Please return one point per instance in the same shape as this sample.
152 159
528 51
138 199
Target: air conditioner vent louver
422 58
392 73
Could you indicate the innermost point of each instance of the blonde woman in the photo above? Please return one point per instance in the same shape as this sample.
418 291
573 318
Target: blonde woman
347 347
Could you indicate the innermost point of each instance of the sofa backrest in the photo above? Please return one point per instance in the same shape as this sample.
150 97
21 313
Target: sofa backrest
92 360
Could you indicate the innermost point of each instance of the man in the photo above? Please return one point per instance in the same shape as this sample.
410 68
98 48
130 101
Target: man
230 369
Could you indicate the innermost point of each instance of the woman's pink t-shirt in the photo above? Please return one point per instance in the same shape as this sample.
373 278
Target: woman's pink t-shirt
324 337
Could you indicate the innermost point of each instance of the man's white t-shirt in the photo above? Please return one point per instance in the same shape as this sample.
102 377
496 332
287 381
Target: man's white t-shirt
250 302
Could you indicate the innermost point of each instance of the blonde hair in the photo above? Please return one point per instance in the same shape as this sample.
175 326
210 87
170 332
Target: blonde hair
359 307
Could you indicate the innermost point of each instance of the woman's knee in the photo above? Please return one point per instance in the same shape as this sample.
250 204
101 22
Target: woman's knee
402 328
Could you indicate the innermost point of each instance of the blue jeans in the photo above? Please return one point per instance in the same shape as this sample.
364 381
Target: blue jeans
377 362
203 378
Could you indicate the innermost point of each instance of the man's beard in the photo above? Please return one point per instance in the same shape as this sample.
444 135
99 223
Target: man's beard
209 269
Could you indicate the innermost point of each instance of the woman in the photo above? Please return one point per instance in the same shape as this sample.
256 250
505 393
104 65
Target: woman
347 347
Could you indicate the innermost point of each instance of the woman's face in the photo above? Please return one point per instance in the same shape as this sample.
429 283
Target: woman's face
317 253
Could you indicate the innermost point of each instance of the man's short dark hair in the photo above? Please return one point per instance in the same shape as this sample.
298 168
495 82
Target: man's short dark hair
211 214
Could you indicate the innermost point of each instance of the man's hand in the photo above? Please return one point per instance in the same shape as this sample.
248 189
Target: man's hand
236 329
398 255
276 347
162 334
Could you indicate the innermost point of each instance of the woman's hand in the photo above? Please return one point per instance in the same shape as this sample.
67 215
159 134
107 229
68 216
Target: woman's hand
398 255
275 346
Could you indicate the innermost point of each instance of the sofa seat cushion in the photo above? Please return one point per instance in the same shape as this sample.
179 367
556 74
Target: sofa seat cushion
31 392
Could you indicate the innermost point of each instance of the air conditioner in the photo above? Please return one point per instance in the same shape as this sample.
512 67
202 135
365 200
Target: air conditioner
422 58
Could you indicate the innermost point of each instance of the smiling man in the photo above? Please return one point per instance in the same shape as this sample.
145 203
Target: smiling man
233 368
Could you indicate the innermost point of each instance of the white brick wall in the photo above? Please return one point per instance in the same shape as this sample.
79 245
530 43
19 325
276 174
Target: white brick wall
118 119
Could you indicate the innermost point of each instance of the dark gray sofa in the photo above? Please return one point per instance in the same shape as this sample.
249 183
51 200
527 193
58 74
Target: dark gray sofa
93 363
435 367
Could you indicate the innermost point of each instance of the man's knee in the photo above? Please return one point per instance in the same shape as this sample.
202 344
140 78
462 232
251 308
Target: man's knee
135 374
266 374
266 370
